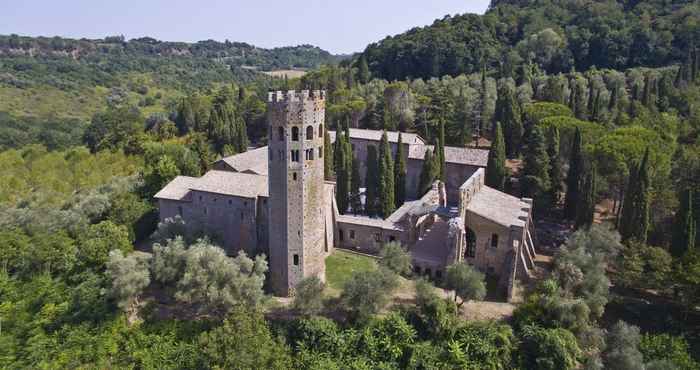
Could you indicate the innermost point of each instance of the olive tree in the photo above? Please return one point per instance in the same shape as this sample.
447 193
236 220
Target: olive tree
129 275
467 283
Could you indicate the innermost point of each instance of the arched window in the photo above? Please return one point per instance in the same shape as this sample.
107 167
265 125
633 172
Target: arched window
295 133
280 133
309 133
320 130
470 251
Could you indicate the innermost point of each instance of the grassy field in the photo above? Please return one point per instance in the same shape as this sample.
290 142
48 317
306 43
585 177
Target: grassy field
341 264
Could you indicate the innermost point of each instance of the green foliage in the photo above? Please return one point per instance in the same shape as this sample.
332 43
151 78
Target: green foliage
428 174
634 222
555 169
395 258
54 134
243 341
496 171
355 199
658 347
308 296
574 178
342 173
467 283
623 348
129 275
327 156
536 169
536 112
98 242
549 349
386 178
588 200
400 173
684 226
645 267
372 177
509 115
341 265
367 292
115 128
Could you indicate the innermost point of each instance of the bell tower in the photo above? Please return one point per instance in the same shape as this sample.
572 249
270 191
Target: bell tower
297 203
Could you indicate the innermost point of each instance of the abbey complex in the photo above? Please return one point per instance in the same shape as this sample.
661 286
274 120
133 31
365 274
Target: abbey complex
274 200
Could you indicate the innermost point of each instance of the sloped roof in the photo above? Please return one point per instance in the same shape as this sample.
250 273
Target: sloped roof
367 221
501 208
376 135
467 156
177 189
218 182
252 161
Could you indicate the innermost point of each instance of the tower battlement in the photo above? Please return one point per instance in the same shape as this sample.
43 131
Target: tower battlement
275 97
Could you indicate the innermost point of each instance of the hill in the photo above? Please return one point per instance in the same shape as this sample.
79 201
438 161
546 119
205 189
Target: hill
559 35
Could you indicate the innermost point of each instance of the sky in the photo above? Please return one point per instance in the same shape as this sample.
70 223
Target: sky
336 26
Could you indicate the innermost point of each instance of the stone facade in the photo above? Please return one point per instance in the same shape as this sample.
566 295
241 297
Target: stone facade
296 187
274 200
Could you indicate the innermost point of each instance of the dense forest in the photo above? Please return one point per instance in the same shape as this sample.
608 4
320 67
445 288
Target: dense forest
557 35
590 107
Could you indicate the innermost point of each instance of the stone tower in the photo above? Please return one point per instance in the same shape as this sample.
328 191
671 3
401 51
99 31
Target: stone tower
297 201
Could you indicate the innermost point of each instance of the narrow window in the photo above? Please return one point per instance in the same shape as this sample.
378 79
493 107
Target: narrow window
320 130
320 152
438 274
294 176
280 133
295 133
494 241
241 216
309 133
352 234
378 237
340 235
296 260
200 198
230 202
179 210
245 204
265 201
353 147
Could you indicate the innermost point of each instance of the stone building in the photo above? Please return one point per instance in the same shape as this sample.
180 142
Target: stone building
273 200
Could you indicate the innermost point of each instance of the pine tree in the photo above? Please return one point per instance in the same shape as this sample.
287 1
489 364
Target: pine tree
400 171
684 226
574 177
386 178
508 113
372 181
341 175
327 156
442 175
555 173
587 201
496 170
428 173
355 201
634 222
363 70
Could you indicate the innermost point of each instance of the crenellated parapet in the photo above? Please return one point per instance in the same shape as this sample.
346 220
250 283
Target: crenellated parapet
285 97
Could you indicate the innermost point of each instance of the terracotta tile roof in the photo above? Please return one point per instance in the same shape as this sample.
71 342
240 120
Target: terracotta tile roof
499 207
252 161
467 156
217 182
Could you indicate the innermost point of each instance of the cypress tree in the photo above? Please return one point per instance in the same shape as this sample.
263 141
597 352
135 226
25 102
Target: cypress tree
400 171
327 156
363 70
386 178
355 201
634 222
348 155
496 170
442 175
508 113
536 169
587 201
555 174
371 181
341 175
684 227
427 175
574 177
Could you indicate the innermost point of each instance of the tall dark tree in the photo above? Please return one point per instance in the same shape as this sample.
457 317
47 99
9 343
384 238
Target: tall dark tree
555 171
327 156
574 177
536 183
442 175
355 201
634 221
509 114
428 173
400 172
587 201
386 178
363 73
684 226
372 182
496 170
342 177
